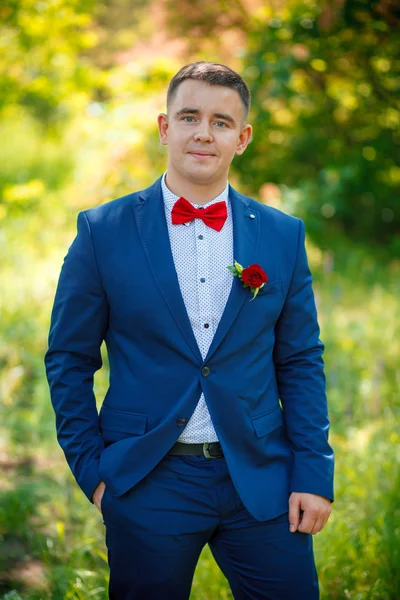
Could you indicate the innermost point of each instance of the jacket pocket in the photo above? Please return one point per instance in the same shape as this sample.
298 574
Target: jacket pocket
123 421
271 287
266 423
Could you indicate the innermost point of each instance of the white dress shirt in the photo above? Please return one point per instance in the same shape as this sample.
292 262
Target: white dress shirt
201 257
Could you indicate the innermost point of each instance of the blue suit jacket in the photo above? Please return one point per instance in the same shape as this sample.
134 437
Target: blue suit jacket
118 283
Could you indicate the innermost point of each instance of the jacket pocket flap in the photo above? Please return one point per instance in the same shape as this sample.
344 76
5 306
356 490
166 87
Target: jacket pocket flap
271 287
121 420
266 423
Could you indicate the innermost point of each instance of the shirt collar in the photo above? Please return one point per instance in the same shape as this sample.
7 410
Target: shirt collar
170 198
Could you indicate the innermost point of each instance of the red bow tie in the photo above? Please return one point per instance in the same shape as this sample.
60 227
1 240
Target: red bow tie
214 216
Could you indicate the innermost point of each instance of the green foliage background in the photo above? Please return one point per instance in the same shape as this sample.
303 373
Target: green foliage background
81 83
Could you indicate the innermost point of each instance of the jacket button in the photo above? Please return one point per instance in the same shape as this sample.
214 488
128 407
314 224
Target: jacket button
205 371
181 422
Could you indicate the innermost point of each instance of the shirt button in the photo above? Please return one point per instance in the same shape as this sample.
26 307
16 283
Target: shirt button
181 422
206 325
200 237
205 371
202 279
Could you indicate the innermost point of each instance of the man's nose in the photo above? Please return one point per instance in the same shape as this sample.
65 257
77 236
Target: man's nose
203 133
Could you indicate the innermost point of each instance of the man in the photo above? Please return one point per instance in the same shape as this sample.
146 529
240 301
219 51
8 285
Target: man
192 445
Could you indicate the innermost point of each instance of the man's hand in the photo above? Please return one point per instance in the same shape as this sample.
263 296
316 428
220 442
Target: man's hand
316 511
98 495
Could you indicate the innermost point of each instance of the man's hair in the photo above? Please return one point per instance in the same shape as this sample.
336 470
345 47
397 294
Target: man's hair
214 74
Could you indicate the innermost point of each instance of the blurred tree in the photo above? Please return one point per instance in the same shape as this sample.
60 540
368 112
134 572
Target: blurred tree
60 71
40 43
119 25
56 55
325 79
197 20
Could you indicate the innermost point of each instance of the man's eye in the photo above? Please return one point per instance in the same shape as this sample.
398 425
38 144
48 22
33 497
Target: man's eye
188 119
221 124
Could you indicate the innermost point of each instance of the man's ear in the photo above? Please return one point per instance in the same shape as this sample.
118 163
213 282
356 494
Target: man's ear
245 138
162 121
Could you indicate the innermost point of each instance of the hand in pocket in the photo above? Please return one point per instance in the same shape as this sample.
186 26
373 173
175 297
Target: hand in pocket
98 495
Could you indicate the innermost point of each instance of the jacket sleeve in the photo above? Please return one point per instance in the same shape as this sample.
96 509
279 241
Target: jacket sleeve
300 376
78 325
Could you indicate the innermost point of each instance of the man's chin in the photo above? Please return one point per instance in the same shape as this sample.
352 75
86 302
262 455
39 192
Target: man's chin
201 176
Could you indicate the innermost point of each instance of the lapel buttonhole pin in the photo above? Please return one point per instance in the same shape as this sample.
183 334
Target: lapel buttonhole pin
252 216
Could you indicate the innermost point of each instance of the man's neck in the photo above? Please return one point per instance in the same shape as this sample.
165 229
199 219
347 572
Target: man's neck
195 193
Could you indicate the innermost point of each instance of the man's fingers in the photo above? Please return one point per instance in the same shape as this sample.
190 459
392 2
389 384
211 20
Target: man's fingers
325 520
294 514
98 495
321 522
318 525
307 523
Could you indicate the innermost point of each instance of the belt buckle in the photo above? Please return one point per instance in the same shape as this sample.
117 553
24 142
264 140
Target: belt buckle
206 451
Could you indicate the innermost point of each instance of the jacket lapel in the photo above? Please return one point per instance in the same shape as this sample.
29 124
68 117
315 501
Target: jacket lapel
246 237
153 231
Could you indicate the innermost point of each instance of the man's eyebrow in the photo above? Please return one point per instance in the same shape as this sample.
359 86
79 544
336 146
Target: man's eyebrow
186 110
225 117
195 111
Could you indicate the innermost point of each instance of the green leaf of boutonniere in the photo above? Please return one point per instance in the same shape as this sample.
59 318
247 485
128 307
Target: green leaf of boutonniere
239 267
255 292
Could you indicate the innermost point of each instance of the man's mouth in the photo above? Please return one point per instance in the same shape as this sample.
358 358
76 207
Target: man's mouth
200 154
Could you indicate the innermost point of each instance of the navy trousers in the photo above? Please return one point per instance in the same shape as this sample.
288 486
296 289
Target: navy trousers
156 532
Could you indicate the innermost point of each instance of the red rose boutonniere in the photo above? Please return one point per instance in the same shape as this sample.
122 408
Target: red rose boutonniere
253 277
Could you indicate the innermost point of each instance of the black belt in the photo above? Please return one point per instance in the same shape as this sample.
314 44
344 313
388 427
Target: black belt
208 449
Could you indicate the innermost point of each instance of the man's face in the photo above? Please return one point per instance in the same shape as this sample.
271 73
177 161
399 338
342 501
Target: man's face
204 129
